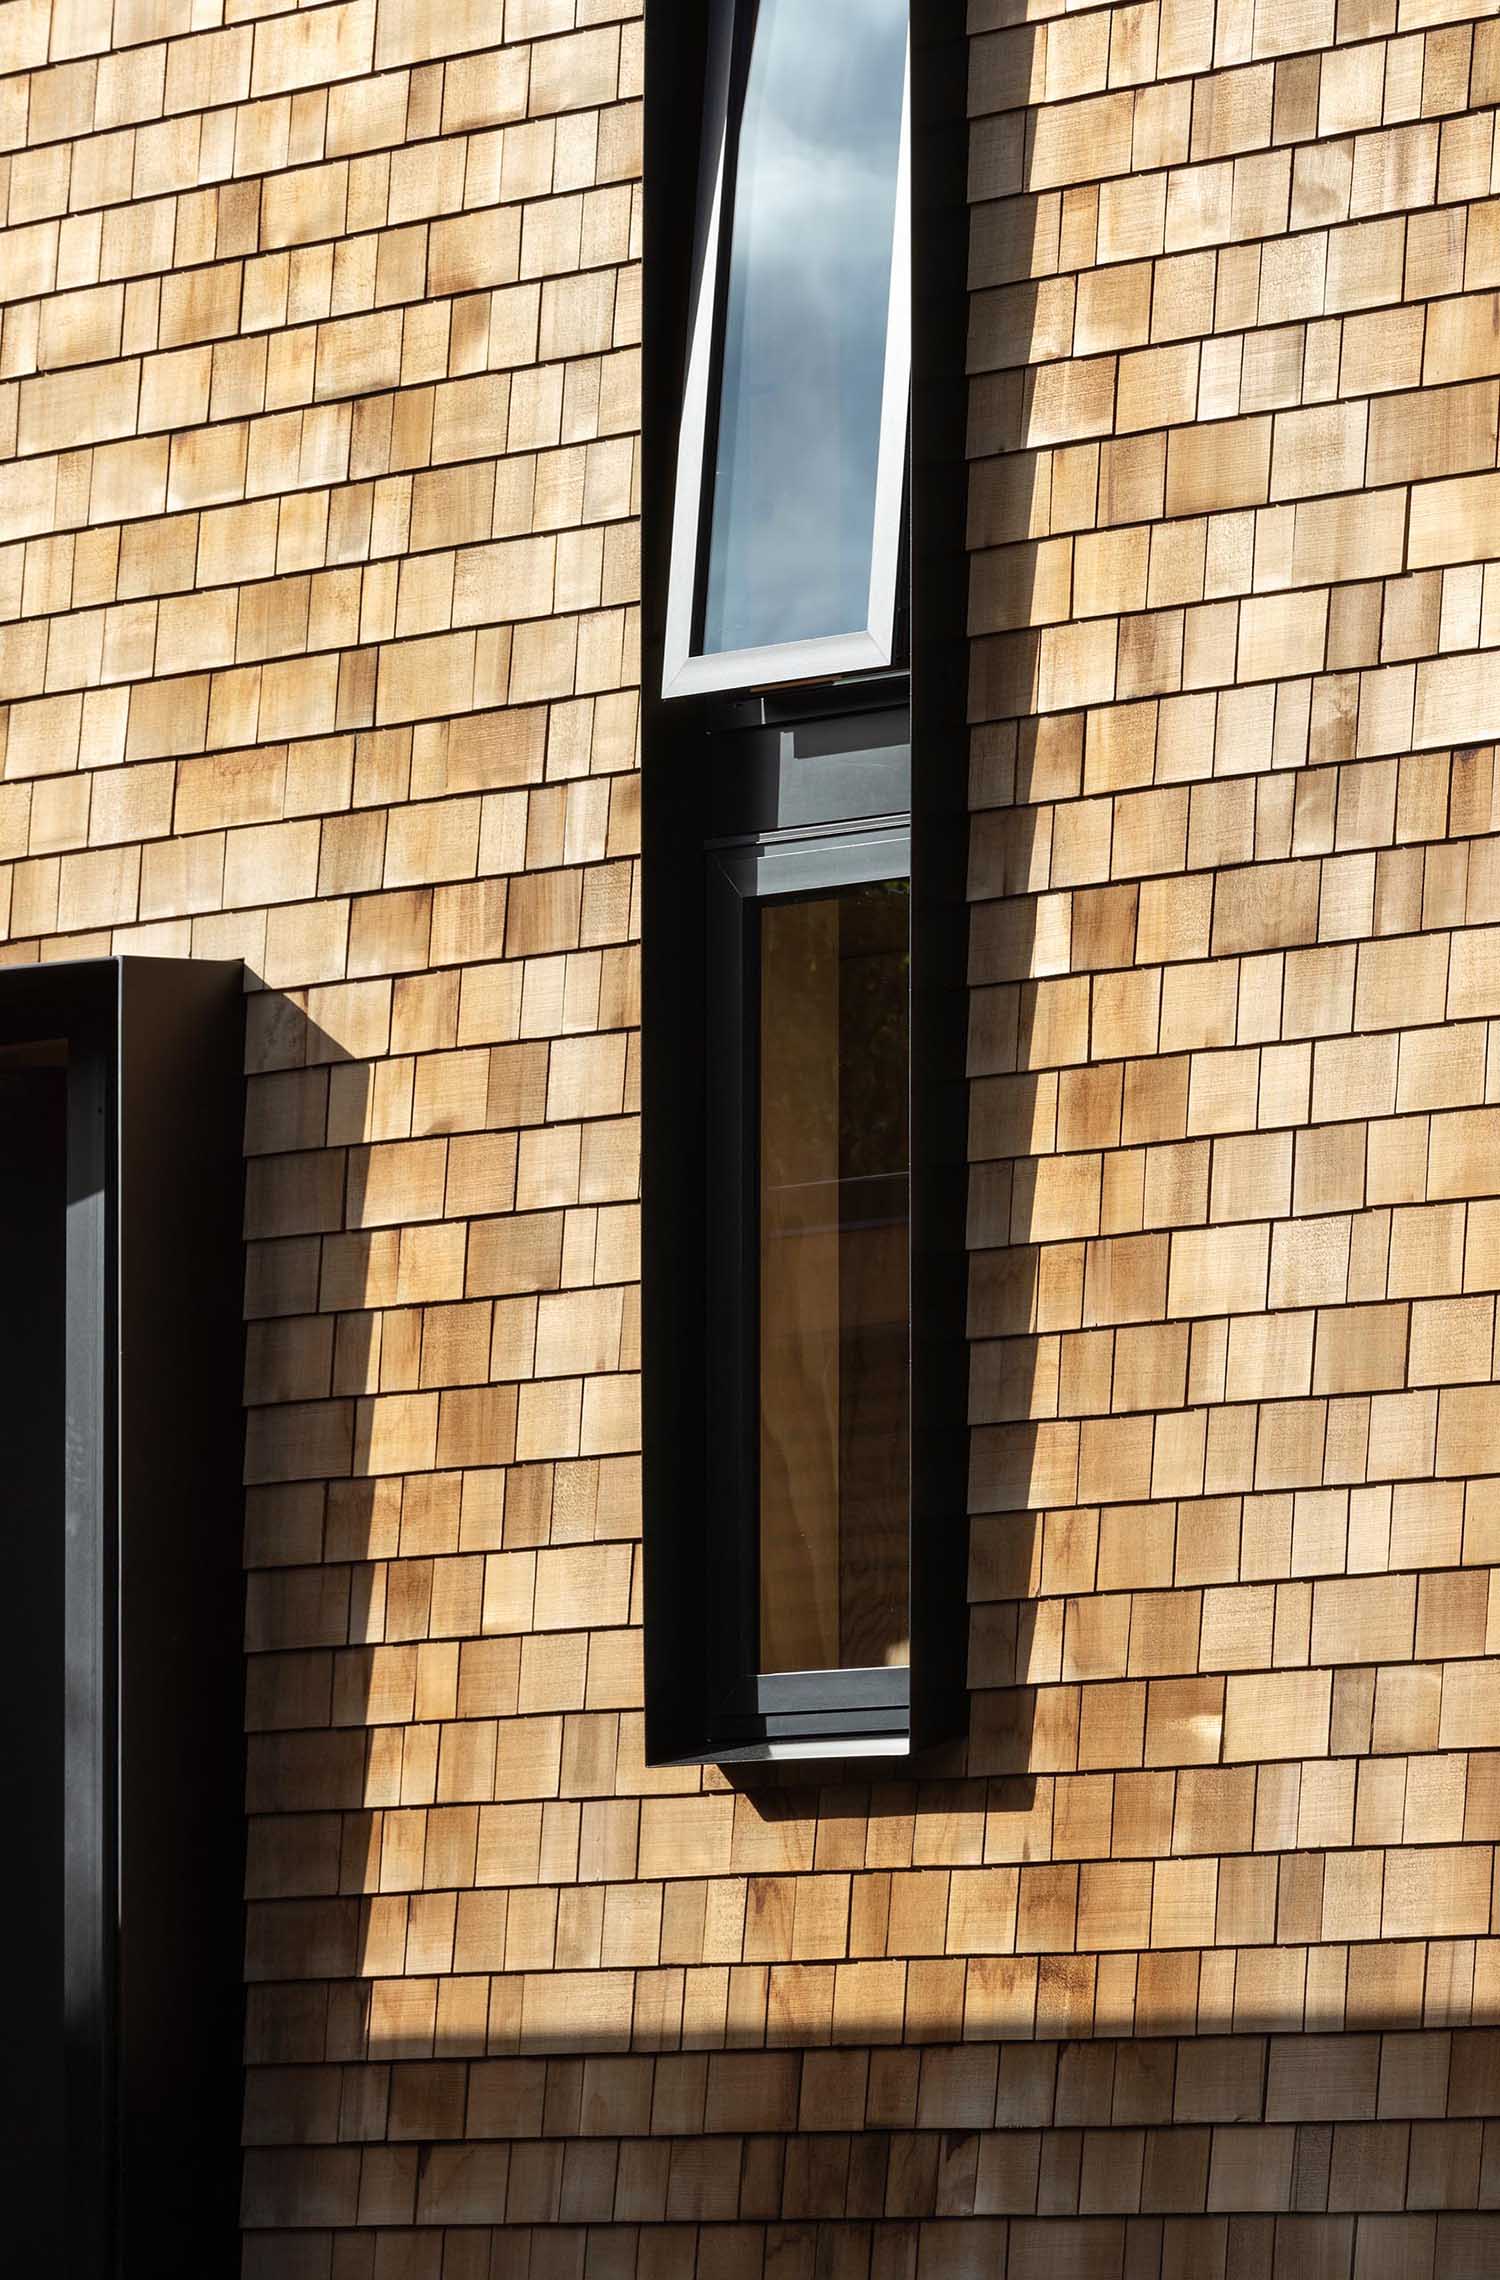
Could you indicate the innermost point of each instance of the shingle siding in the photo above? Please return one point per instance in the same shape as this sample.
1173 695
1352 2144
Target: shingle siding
319 410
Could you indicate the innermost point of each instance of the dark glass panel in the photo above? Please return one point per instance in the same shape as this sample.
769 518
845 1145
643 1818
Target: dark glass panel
834 1333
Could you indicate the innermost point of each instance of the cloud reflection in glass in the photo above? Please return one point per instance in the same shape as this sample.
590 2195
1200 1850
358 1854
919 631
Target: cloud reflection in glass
808 301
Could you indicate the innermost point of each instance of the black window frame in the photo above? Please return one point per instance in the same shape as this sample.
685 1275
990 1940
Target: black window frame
748 1702
725 776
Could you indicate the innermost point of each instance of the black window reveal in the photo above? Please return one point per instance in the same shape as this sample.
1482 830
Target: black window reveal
803 930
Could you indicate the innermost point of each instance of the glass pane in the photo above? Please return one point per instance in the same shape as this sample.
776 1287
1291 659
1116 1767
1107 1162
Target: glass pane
814 212
833 1280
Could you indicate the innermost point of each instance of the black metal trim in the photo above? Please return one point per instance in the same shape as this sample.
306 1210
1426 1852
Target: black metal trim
673 1082
939 839
731 1285
90 1651
180 1277
153 1751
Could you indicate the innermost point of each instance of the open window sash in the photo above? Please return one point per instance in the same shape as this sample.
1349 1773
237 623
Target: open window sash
691 664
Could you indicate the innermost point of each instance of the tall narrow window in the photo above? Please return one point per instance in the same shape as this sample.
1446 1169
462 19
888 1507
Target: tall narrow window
793 438
802 1185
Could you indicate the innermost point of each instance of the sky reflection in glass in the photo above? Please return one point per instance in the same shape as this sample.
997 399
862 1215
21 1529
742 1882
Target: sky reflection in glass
793 514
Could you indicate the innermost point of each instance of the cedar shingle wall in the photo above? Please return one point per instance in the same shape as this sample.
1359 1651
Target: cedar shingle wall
1233 417
319 402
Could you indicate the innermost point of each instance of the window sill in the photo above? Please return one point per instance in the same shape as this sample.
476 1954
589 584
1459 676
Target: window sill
813 1743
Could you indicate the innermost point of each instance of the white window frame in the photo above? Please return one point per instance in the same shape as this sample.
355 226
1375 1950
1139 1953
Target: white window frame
690 672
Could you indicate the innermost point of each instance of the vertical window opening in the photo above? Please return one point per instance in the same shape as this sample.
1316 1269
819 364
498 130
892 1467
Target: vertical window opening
802 1039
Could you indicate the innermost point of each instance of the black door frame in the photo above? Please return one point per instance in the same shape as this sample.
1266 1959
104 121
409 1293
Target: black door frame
153 1753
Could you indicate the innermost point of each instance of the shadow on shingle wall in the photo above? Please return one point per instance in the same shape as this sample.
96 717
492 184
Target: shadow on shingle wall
519 2004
